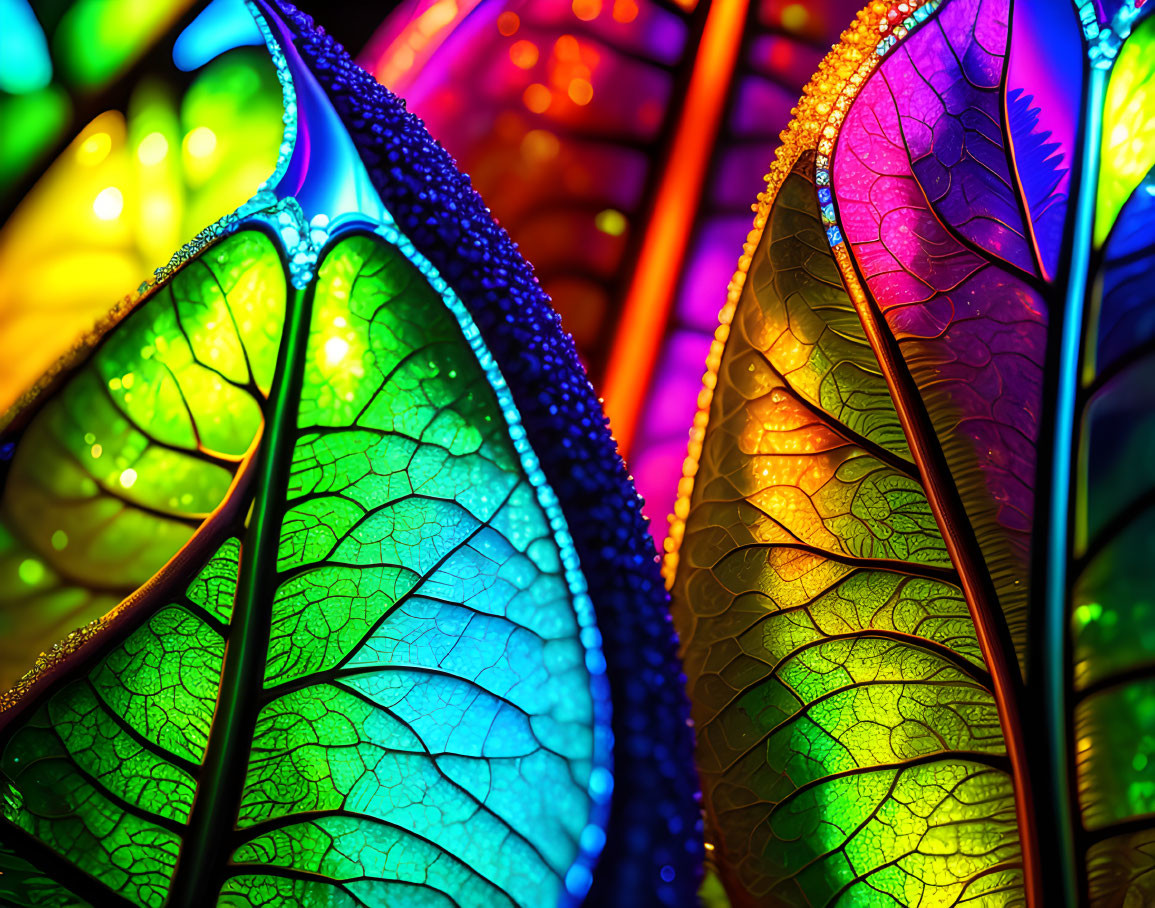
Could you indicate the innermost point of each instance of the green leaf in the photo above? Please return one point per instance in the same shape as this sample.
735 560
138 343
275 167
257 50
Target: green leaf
123 462
363 678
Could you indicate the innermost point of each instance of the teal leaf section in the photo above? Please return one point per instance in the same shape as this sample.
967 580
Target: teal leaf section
377 681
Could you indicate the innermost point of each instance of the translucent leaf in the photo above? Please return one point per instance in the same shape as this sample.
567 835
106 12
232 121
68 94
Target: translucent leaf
912 568
344 532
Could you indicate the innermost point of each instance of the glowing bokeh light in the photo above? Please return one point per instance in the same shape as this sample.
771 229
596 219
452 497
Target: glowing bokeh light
152 149
580 91
94 149
31 571
587 10
537 98
508 23
611 221
625 11
540 145
108 204
567 48
201 142
523 54
335 350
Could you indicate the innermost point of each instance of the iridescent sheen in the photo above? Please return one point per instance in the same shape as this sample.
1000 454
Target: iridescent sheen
422 627
366 667
912 567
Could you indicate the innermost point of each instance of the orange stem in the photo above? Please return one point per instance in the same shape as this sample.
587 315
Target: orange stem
651 291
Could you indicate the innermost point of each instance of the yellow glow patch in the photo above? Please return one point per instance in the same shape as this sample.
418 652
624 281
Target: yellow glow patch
94 149
795 17
611 221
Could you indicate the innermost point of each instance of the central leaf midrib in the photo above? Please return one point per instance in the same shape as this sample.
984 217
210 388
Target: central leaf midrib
205 853
982 601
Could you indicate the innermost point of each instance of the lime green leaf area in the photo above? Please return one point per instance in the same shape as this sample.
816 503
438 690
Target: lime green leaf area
358 676
1128 147
121 465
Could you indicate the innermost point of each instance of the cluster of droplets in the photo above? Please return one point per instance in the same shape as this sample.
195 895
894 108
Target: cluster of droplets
190 250
289 95
898 22
901 20
57 656
1105 41
302 240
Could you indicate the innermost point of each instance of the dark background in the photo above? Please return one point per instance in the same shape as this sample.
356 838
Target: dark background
349 21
